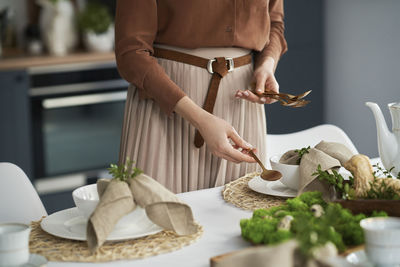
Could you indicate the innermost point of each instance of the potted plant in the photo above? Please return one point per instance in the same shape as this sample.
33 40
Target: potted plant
97 26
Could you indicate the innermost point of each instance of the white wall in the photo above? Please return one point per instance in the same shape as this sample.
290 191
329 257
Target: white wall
362 63
21 17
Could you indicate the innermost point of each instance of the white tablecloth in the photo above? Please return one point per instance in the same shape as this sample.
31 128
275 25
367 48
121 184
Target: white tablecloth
221 234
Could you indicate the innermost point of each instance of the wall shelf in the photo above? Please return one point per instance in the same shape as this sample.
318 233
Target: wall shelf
17 60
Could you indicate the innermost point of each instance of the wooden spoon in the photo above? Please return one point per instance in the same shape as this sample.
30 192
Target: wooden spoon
268 175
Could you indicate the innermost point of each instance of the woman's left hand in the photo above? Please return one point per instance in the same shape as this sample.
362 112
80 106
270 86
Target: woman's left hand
264 79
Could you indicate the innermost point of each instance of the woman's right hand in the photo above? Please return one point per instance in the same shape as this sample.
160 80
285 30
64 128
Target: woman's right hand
216 132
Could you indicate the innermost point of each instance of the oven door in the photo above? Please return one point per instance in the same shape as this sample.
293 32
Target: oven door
77 133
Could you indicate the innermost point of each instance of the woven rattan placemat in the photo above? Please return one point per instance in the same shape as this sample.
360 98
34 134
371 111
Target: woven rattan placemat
239 194
59 249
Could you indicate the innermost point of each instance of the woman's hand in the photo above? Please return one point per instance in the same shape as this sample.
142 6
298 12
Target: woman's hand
264 79
216 132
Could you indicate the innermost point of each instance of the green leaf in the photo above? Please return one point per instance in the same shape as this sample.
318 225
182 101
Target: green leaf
302 152
124 172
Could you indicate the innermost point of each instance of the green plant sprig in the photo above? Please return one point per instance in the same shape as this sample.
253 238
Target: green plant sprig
342 187
384 172
301 153
124 172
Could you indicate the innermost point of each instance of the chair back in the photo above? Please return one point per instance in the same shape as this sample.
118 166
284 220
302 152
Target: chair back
19 201
280 143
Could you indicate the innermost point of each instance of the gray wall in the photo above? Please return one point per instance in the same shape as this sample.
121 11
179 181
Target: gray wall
300 68
362 63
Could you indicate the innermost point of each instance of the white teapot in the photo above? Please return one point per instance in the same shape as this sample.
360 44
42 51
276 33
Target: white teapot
388 142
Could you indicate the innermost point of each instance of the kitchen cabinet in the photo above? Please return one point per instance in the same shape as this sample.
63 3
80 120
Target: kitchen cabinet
15 133
34 135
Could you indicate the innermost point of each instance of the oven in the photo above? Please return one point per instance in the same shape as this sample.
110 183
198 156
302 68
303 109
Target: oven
77 113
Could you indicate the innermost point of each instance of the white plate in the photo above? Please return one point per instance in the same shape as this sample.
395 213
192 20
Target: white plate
35 260
359 258
273 188
70 224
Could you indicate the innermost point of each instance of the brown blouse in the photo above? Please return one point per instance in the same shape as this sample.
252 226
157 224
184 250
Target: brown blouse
252 24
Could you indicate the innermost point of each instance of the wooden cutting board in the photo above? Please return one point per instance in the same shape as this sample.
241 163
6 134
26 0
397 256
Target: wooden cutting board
367 206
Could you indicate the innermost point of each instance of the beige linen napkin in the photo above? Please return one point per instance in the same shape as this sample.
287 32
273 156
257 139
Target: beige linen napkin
162 206
336 150
282 255
119 198
329 155
115 201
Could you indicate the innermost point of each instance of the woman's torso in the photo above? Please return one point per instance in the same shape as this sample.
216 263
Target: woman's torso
213 23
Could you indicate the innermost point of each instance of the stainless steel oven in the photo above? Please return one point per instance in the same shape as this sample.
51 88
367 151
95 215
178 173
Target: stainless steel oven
77 113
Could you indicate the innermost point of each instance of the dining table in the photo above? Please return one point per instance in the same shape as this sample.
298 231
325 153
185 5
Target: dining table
220 221
222 234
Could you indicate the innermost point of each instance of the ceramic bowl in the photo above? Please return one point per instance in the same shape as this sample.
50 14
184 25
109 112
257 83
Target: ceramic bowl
14 244
290 173
86 199
382 240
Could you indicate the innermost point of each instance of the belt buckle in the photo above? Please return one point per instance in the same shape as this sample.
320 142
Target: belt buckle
230 64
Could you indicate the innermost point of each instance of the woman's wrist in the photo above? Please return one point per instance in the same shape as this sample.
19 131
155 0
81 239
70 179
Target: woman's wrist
191 111
268 64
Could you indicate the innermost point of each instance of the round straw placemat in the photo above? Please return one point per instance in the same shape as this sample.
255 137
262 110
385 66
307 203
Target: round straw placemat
60 249
239 194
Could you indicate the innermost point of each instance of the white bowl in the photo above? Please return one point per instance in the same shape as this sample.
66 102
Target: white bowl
382 240
86 199
290 173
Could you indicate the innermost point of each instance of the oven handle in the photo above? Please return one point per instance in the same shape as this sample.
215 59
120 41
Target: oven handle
77 87
72 101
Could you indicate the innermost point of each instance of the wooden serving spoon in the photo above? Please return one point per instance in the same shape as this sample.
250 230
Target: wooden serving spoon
268 175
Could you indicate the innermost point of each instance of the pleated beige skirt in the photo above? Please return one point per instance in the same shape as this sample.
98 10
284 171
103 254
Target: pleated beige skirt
163 146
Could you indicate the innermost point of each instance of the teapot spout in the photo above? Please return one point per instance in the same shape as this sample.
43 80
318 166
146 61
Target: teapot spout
387 143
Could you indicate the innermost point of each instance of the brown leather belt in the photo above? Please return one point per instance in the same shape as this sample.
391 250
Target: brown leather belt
218 67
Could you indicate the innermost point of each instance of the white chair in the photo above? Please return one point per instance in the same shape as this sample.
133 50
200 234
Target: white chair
19 201
280 143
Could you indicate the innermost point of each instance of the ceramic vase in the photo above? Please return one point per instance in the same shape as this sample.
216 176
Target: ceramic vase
58 26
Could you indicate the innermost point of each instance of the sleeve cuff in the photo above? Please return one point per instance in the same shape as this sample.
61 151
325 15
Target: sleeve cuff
162 89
